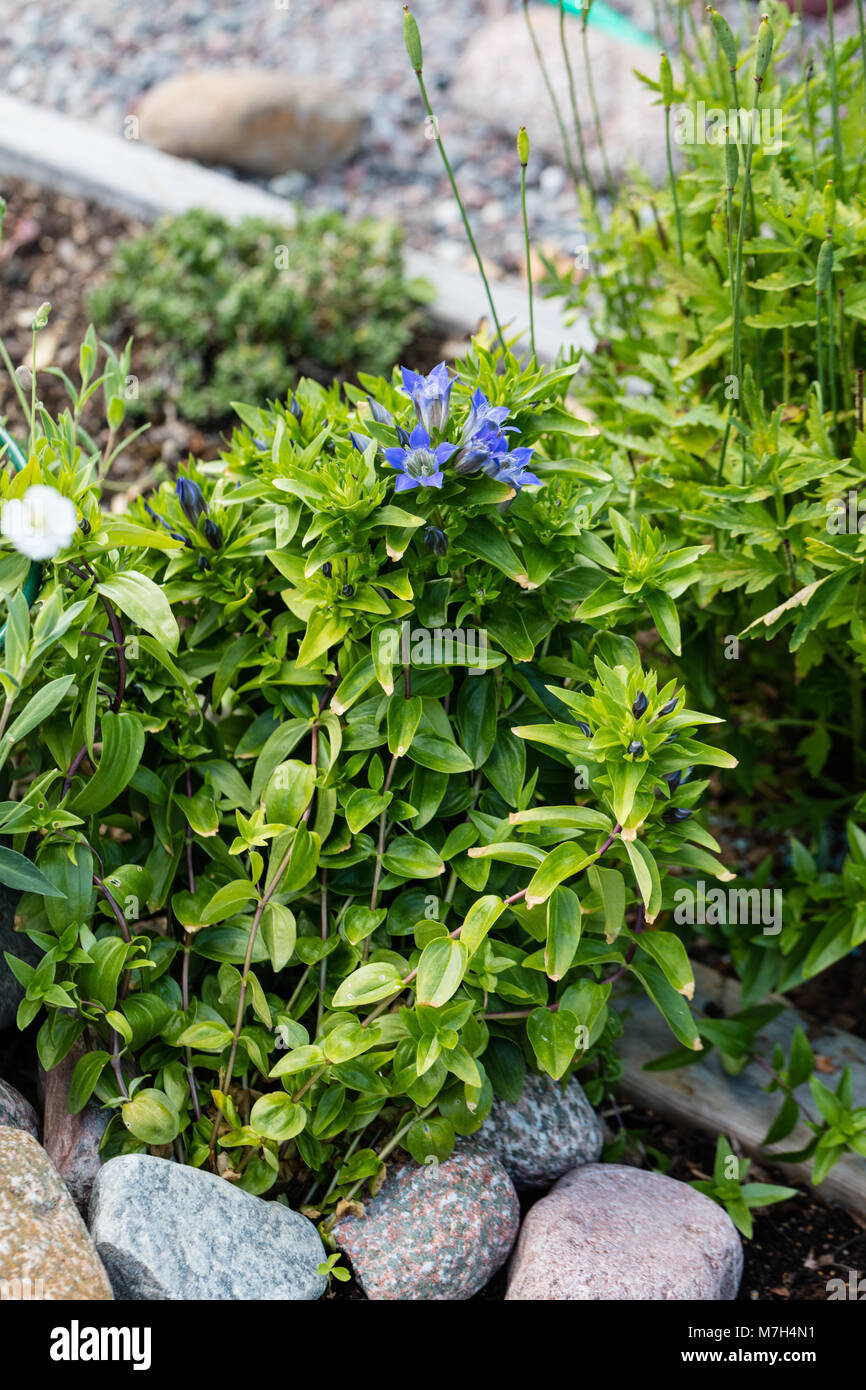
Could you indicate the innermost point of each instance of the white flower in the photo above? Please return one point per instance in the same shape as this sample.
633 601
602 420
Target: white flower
40 523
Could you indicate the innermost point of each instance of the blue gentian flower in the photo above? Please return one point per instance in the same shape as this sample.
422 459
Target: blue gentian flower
483 450
511 468
379 413
482 414
360 441
191 500
419 465
431 396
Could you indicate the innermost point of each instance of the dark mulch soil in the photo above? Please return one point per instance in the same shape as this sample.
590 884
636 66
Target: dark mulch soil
57 248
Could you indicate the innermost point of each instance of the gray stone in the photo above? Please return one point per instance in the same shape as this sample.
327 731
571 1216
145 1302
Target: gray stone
16 1112
606 1231
72 1141
45 1251
433 1232
166 1232
17 944
253 119
498 71
544 1134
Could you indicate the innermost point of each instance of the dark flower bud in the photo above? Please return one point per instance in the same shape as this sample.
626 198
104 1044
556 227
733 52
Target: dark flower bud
360 441
673 779
348 590
191 500
640 705
436 540
675 814
404 438
671 738
84 526
670 706
212 534
294 407
584 729
327 569
203 563
635 748
259 442
379 413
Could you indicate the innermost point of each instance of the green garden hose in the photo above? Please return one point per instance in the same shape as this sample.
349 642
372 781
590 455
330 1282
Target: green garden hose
34 574
610 20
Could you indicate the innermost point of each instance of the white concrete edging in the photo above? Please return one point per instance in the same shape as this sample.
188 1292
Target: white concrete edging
79 159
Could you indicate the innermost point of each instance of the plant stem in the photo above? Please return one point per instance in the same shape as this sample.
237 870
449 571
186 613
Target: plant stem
572 91
673 182
528 259
608 181
557 109
456 192
838 166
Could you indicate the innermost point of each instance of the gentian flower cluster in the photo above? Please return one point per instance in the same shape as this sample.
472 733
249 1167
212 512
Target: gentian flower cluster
483 446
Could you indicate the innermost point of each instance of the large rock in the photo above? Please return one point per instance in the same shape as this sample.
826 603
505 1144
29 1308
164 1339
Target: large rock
165 1231
542 1135
45 1251
433 1232
72 1141
254 119
17 944
606 1231
499 80
16 1112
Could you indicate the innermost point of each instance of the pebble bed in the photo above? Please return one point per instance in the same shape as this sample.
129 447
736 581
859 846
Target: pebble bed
94 58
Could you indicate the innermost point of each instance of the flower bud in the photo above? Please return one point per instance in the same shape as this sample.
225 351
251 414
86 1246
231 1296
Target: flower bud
212 534
327 569
436 540
635 748
675 814
640 705
412 39
40 318
829 208
825 267
584 729
379 413
732 162
523 146
348 591
294 407
666 81
191 500
724 37
671 705
673 779
203 563
763 48
24 377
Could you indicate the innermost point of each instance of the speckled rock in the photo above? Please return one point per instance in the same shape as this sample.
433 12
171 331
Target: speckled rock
253 119
544 1134
168 1232
16 1112
11 992
606 1231
72 1141
45 1251
433 1232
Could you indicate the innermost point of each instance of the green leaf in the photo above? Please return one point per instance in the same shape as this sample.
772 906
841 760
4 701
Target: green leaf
440 970
227 901
670 956
647 875
478 921
206 1036
664 614
404 717
122 747
563 932
99 979
145 603
610 885
563 862
371 982
277 1117
19 873
37 709
151 1117
554 1037
411 858
88 1070
439 754
279 933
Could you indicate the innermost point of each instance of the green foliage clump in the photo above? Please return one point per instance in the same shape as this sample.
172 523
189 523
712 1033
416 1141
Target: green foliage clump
224 313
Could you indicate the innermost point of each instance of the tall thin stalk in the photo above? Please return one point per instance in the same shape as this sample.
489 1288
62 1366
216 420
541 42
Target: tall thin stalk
523 154
608 180
413 48
557 109
838 167
572 91
667 88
